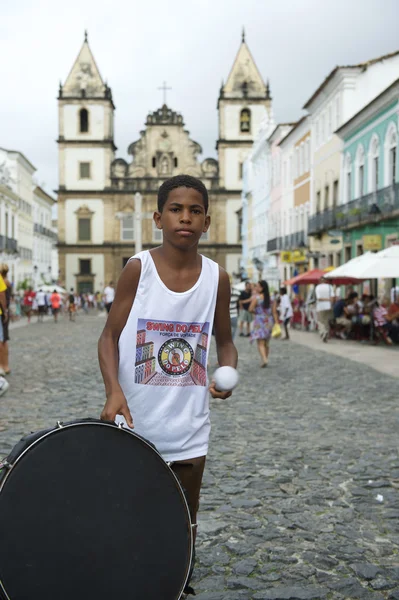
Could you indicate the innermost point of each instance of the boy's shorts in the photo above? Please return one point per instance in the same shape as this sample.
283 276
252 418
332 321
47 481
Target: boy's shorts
245 316
189 473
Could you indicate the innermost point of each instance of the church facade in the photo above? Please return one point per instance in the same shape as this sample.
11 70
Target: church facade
98 211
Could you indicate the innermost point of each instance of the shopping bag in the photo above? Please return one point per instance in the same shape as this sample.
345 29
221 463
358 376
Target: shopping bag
276 331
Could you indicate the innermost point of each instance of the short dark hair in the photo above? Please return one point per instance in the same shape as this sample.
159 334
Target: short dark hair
353 295
283 290
181 181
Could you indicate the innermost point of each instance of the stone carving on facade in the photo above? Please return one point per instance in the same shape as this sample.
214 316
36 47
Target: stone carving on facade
164 116
119 168
5 176
84 75
210 167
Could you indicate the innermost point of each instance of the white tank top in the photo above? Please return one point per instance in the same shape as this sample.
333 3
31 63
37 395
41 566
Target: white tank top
163 352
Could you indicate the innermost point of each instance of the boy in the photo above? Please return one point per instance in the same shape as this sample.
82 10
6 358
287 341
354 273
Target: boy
158 334
286 312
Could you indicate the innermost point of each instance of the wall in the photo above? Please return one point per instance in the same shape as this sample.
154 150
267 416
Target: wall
72 268
231 116
71 123
73 156
232 206
71 224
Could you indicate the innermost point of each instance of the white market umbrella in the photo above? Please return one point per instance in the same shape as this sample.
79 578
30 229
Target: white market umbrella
351 268
384 266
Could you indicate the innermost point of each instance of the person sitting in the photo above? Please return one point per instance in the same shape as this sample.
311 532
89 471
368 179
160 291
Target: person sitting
341 317
380 314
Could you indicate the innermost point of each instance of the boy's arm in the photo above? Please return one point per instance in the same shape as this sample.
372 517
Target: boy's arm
226 351
108 353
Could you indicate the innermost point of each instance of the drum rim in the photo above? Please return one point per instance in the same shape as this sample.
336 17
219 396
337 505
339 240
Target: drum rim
120 427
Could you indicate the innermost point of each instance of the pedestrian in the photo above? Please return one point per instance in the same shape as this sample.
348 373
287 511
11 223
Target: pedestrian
286 312
55 304
29 297
169 289
41 305
244 316
234 297
265 316
109 295
4 317
324 302
71 305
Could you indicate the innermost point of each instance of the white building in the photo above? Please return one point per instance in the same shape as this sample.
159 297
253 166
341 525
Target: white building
16 215
44 238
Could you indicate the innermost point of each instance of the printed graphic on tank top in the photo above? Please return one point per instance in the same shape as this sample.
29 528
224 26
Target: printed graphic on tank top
163 352
171 353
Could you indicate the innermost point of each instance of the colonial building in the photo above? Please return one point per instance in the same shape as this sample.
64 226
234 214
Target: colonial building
44 238
345 91
368 211
106 204
16 215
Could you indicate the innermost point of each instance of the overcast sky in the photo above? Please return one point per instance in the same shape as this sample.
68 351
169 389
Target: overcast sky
190 44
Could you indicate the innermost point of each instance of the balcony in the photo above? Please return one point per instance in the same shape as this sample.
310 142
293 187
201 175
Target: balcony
38 228
371 208
273 245
8 245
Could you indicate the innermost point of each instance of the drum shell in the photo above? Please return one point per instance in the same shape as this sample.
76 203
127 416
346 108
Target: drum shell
142 551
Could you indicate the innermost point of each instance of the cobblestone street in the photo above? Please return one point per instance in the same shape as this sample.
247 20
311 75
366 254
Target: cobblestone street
301 492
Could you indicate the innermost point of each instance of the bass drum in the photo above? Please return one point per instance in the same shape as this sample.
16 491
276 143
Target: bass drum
89 510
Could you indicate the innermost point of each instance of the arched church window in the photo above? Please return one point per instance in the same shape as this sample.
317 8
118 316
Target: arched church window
84 120
245 120
176 162
154 162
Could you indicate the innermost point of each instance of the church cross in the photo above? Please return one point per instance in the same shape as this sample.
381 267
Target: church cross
165 88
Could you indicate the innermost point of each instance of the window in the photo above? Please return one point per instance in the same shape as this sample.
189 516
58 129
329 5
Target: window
301 159
84 120
127 228
318 201
322 131
360 171
245 120
391 142
240 170
348 253
13 227
361 180
84 229
335 193
154 162
6 222
84 266
326 196
374 151
156 233
392 166
348 179
317 134
84 170
176 162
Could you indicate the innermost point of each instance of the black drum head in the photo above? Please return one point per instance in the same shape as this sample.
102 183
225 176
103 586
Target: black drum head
93 512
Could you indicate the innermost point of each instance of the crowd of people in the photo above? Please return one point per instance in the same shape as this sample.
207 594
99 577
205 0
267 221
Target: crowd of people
356 317
255 311
43 302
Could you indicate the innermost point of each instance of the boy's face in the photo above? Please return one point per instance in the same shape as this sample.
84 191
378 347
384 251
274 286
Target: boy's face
183 219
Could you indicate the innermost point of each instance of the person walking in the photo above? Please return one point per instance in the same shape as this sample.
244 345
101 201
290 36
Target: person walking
244 316
265 316
234 298
3 342
29 297
41 305
5 318
55 304
109 295
286 312
324 303
71 305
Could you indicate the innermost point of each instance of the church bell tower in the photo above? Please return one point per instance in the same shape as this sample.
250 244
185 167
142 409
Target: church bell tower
244 101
